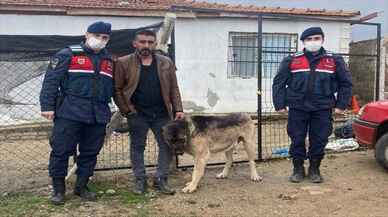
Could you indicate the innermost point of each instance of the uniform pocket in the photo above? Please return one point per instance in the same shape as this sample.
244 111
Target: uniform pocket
324 84
105 89
80 85
57 138
299 82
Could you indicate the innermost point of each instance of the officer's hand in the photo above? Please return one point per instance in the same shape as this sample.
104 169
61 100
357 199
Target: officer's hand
338 111
179 115
48 115
282 110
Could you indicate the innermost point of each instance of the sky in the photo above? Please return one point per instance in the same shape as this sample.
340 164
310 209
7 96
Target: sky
364 6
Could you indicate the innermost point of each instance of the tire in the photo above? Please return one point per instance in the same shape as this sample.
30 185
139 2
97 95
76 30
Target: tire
381 151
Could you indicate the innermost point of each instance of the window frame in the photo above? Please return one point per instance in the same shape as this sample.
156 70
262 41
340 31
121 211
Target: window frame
232 63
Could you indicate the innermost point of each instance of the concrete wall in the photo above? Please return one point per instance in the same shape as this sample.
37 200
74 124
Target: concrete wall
202 61
363 69
201 53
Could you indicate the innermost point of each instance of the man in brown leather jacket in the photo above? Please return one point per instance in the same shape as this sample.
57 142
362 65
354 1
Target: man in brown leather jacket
147 93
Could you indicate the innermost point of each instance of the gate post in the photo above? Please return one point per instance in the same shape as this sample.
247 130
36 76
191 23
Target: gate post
259 78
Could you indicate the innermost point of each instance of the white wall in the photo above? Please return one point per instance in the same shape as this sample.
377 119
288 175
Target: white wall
201 53
202 46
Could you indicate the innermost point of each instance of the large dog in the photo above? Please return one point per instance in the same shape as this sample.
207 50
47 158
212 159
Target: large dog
200 136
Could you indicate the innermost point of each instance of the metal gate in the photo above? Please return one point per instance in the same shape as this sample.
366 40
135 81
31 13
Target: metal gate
258 54
24 148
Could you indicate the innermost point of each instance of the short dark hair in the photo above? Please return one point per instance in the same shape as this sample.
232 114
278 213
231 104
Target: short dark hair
146 32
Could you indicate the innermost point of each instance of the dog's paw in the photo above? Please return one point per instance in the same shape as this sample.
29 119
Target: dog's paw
189 188
187 184
256 178
222 176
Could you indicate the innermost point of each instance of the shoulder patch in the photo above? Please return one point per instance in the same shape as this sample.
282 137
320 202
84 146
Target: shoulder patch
53 62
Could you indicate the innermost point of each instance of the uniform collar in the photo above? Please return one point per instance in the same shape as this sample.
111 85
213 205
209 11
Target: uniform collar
322 52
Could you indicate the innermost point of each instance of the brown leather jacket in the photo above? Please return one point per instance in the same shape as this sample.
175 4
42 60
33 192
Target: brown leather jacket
126 76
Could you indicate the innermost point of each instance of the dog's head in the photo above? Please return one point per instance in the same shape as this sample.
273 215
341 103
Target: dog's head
175 134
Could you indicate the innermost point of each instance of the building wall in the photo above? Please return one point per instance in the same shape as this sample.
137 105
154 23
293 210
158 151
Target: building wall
363 69
201 53
202 46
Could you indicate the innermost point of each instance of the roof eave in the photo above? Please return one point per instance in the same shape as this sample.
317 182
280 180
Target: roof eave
71 11
122 12
22 9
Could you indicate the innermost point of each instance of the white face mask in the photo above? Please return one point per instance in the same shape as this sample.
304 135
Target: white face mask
313 46
96 44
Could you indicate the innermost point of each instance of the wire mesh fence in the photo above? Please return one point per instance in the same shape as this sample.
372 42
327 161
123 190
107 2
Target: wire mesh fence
24 146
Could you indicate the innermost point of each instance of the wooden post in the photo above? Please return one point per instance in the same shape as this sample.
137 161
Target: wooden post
164 32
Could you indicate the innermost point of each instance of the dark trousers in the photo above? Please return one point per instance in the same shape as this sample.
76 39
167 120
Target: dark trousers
66 135
318 124
138 130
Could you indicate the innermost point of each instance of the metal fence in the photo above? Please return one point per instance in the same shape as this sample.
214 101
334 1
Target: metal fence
24 147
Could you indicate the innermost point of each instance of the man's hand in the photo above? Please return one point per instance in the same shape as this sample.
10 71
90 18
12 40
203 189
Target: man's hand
282 110
129 115
338 111
48 115
179 115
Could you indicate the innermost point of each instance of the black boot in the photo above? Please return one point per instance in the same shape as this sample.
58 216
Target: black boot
161 185
81 189
298 173
314 174
59 189
140 186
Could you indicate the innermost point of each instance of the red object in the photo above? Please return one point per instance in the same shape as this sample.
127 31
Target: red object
82 64
301 64
355 105
365 133
369 16
371 123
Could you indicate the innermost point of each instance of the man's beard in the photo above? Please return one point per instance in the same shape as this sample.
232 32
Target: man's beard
145 52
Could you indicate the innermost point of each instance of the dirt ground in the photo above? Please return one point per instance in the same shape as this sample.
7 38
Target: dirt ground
355 186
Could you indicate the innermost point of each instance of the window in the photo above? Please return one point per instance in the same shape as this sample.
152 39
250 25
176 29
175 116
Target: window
242 54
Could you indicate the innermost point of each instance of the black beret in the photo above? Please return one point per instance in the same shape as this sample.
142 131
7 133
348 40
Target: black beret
311 31
100 27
